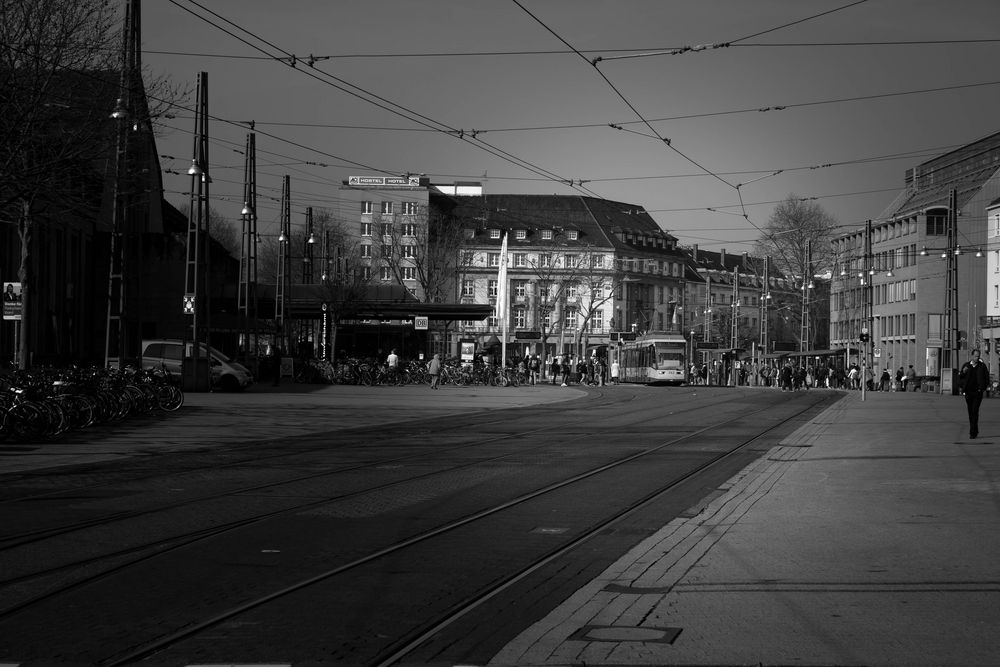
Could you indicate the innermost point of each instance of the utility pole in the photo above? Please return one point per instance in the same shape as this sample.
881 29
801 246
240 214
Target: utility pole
125 114
949 363
868 315
284 268
247 298
196 301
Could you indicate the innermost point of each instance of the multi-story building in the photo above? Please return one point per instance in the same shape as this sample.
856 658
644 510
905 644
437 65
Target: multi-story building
915 278
580 270
722 289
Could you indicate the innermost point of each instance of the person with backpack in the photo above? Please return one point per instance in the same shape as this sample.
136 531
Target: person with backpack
534 368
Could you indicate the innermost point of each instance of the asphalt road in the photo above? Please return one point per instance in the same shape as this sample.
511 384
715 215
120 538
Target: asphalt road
432 536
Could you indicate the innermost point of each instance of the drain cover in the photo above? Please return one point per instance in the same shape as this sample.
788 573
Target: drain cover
621 633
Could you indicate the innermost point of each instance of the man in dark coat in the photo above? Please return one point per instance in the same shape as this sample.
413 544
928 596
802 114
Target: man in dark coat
974 380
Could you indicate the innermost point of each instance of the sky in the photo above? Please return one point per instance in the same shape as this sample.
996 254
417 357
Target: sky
825 100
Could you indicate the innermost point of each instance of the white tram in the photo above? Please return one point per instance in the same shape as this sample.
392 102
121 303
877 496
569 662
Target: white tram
654 358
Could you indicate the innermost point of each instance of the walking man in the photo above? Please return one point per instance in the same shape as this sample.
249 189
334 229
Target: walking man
974 380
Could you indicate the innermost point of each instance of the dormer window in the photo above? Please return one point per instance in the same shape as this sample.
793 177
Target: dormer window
546 234
494 233
521 234
572 234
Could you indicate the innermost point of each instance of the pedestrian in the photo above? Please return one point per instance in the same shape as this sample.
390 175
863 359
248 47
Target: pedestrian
554 369
534 368
392 361
884 380
974 380
614 372
564 369
434 370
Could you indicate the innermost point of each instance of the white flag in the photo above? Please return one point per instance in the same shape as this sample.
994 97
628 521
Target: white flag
501 307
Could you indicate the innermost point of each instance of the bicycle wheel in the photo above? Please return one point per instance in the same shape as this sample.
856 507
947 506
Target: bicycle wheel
169 398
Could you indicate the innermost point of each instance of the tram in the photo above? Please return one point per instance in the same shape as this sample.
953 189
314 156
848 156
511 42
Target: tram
654 358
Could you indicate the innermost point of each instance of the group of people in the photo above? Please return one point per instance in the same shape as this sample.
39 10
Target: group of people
562 369
592 371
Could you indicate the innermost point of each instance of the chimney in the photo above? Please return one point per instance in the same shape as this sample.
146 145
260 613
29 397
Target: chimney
722 258
746 261
694 252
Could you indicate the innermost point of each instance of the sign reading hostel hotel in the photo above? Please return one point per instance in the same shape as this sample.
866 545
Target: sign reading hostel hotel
382 181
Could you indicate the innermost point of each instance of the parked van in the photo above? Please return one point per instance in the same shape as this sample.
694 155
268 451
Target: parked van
226 373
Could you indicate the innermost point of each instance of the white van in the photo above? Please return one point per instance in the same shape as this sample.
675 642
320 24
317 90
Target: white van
226 373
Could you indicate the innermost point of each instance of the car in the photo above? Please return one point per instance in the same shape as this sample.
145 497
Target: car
227 374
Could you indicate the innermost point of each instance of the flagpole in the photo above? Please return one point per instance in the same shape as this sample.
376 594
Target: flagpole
502 301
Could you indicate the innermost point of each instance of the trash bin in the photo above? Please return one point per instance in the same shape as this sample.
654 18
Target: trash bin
196 376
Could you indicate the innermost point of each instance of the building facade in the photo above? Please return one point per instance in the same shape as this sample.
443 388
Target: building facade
582 272
915 278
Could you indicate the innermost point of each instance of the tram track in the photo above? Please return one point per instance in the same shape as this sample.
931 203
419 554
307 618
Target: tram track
164 548
137 553
417 636
24 538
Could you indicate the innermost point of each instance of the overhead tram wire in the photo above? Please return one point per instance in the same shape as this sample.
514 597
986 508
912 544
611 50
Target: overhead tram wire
707 114
620 95
369 97
733 42
669 144
561 52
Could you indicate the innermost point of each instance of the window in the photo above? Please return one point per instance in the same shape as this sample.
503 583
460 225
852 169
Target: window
520 259
520 318
597 320
569 321
547 320
546 234
409 208
366 229
469 233
493 322
492 288
572 234
386 229
408 229
386 251
521 234
366 207
387 208
545 261
409 251
598 292
468 288
597 261
409 273
366 249
571 261
366 273
494 233
468 257
385 273
492 259
936 222
520 289
571 290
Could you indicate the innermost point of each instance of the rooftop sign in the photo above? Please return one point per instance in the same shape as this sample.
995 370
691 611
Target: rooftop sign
382 181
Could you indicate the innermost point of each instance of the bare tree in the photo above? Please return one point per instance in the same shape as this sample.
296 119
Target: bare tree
59 77
798 238
597 278
223 231
795 226
422 252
